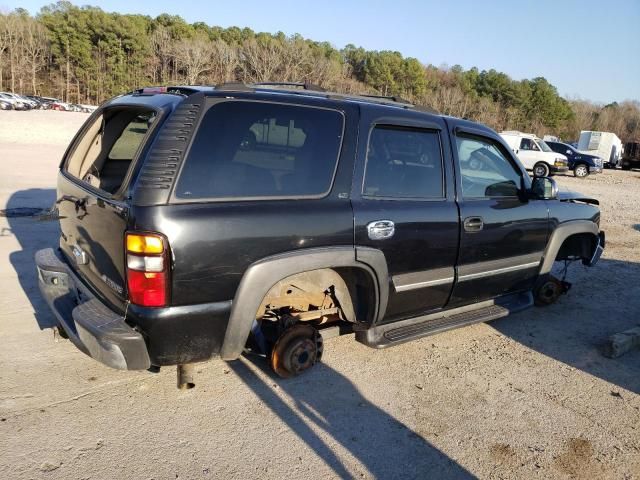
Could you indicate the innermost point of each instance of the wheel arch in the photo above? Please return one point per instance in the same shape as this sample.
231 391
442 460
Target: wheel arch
262 275
585 230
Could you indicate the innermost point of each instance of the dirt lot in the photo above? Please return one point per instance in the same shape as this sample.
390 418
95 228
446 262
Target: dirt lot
525 396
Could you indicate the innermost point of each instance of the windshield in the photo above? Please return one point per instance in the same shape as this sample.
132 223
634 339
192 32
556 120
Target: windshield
543 146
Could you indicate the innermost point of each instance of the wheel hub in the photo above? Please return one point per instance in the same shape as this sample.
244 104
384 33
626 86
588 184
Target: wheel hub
298 349
550 291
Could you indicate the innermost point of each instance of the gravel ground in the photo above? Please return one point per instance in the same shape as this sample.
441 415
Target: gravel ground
525 396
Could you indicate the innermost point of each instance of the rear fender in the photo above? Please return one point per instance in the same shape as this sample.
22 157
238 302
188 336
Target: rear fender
262 275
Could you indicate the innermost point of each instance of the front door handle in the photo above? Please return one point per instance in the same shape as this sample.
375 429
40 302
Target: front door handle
473 224
381 229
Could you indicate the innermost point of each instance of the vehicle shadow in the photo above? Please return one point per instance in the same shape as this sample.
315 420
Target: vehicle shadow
32 234
575 329
329 409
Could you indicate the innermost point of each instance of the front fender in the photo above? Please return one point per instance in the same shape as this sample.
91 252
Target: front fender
560 234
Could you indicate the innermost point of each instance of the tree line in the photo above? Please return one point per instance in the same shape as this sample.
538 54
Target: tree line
86 55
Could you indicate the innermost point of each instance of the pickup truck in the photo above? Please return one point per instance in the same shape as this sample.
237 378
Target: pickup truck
201 222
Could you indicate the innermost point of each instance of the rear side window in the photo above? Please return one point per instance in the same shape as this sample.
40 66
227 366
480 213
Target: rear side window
253 150
104 154
403 163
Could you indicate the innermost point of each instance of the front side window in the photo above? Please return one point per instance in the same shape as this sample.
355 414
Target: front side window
485 169
528 144
403 163
253 149
104 154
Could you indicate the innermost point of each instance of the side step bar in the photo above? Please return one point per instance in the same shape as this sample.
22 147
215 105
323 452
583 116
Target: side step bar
395 333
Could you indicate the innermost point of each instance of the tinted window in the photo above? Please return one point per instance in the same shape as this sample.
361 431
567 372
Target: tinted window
528 144
485 169
250 149
404 163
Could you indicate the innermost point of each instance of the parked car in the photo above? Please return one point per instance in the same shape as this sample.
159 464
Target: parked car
28 104
15 103
5 104
631 156
181 239
605 145
582 164
42 104
88 108
61 106
534 153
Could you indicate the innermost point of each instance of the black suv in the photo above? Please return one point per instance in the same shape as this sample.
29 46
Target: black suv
203 221
582 164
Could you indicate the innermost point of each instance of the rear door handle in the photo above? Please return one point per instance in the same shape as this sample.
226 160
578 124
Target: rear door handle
381 229
473 224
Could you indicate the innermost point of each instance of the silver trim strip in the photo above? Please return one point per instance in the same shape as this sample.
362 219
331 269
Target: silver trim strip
429 283
497 264
423 279
498 271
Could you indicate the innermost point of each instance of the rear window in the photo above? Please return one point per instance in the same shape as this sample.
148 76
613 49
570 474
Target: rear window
104 154
251 150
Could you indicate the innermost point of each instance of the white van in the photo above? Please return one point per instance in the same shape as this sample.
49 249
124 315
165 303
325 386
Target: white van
534 154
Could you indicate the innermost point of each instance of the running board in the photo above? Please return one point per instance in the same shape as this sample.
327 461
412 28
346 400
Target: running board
395 333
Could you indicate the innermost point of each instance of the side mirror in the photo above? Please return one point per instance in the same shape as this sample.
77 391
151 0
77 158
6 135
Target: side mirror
544 188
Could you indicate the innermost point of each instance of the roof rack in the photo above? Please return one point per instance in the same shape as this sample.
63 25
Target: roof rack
234 86
172 89
304 85
387 97
309 87
238 86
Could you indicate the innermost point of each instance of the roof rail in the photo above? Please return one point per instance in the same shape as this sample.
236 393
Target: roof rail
425 109
304 85
234 86
175 90
387 97
238 86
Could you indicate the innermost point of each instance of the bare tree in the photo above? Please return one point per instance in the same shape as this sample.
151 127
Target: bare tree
35 47
163 49
193 56
4 44
261 60
224 62
11 33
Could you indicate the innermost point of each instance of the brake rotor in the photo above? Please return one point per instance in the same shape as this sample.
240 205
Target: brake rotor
550 291
298 349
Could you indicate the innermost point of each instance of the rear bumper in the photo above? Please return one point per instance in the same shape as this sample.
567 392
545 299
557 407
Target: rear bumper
95 329
162 336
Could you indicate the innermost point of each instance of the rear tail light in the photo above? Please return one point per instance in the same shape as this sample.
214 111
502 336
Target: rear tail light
147 269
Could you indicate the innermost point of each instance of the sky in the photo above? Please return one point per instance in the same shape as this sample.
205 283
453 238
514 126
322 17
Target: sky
588 49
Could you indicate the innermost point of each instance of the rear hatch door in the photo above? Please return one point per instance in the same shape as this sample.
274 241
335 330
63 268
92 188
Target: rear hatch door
92 199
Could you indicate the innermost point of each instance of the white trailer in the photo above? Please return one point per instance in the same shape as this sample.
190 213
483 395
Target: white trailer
605 145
